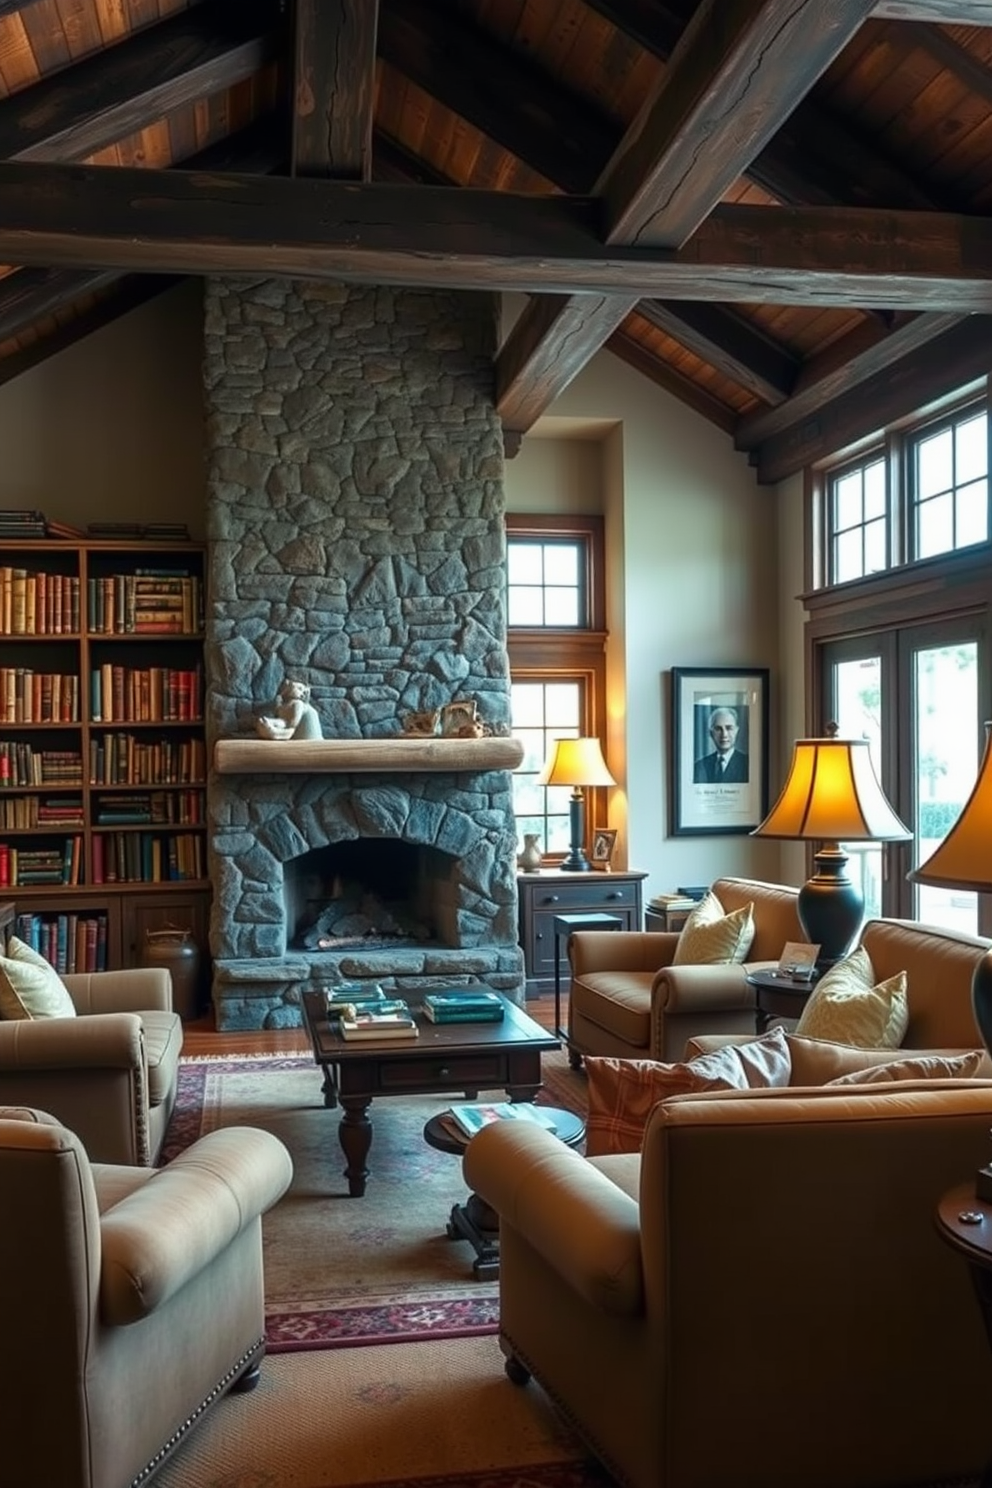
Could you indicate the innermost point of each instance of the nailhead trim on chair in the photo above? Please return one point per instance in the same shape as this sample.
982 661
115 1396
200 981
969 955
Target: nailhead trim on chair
249 1357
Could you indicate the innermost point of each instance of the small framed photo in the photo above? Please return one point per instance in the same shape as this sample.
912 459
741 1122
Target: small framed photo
719 750
456 717
798 961
604 842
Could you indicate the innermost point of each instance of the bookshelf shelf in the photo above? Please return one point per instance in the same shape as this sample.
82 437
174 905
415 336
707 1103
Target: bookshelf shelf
101 709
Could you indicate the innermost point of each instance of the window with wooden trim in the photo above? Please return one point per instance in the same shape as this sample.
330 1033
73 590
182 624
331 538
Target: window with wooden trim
556 640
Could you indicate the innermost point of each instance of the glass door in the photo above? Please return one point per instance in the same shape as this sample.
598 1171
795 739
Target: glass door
918 694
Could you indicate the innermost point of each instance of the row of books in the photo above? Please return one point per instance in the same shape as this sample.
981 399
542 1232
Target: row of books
168 808
126 759
120 694
27 696
21 765
32 867
40 813
71 942
39 603
146 857
147 602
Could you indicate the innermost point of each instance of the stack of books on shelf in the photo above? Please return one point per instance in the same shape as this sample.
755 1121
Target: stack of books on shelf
382 1020
467 1120
141 857
136 808
32 867
71 941
663 902
40 813
27 696
20 765
123 759
150 601
38 603
22 522
470 1006
121 694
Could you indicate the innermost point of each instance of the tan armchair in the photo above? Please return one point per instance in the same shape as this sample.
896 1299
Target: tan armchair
628 1000
760 1296
131 1298
111 1074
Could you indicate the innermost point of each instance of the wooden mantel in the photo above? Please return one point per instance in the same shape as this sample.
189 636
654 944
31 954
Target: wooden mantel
400 755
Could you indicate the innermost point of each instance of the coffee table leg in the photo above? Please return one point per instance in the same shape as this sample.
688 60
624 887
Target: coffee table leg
355 1136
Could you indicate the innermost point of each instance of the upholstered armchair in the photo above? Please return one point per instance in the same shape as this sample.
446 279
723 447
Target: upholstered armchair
111 1073
757 1297
627 999
131 1298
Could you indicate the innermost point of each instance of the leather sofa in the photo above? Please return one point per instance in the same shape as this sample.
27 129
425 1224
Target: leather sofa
131 1298
759 1297
111 1073
627 999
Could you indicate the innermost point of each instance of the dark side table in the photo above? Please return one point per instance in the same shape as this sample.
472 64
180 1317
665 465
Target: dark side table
777 996
567 924
475 1221
965 1223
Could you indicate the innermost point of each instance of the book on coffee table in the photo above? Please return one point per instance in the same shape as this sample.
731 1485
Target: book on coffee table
375 1025
472 1118
463 1007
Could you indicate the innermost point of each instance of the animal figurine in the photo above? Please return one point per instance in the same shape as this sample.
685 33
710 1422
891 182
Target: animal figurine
295 716
421 725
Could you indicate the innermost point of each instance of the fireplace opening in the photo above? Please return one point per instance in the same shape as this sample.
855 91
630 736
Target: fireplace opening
367 893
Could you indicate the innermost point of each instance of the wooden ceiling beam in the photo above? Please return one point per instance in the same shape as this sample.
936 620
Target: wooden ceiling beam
334 48
121 90
634 354
728 343
680 155
943 12
194 222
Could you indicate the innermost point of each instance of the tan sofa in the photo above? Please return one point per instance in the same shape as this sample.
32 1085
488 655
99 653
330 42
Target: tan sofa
626 998
131 1298
111 1074
760 1297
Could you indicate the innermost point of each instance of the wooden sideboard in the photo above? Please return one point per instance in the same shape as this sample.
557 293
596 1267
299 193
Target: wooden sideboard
550 892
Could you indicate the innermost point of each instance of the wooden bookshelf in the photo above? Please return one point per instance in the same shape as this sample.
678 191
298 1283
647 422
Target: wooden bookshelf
103 761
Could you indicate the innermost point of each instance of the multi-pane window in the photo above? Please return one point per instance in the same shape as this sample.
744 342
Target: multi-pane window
858 521
556 639
949 484
922 493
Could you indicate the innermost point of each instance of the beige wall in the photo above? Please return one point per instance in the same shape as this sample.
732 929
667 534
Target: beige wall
112 429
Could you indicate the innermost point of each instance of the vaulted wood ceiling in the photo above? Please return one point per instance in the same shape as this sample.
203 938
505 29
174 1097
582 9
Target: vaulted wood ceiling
778 210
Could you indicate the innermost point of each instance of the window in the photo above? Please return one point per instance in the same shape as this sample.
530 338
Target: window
922 494
556 641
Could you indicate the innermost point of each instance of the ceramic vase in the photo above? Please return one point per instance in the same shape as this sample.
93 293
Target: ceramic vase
530 856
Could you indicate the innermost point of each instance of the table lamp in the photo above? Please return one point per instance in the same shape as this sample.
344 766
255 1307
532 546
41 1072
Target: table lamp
832 795
578 763
963 861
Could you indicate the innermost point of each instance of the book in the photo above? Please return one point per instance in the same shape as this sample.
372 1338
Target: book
671 901
371 1025
353 992
463 1007
472 1118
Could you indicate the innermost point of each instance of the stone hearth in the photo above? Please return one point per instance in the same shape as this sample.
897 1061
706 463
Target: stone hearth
357 544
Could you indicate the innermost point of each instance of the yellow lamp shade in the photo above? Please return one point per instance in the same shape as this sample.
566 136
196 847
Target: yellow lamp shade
963 859
832 794
575 762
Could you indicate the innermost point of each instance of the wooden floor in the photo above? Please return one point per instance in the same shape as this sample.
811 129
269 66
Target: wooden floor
201 1037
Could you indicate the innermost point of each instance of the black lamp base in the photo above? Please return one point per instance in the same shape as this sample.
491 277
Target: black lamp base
831 907
575 860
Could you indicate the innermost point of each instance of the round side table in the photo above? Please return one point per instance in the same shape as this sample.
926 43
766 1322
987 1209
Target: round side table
474 1220
777 996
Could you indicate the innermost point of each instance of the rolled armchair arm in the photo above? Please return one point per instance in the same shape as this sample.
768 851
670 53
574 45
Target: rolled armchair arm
620 950
135 989
109 1040
583 1225
168 1230
696 989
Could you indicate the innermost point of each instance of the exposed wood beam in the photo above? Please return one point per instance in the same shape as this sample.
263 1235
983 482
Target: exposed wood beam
193 222
857 358
729 343
690 393
944 12
116 92
948 54
334 88
683 151
934 371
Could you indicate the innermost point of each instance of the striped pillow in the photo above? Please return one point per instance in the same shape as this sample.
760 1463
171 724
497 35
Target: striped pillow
712 938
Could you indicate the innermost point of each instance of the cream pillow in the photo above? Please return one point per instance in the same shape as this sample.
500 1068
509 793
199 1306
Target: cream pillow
30 987
847 1007
923 1067
712 938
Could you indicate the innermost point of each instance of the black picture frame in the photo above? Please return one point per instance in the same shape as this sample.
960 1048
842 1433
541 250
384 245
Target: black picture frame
706 802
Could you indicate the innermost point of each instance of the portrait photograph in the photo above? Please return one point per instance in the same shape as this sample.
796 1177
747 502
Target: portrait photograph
719 749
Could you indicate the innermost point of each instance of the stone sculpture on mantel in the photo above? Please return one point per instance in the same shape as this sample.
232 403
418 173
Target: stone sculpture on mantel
295 716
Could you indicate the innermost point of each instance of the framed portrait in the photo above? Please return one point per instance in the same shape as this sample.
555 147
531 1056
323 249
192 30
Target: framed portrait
604 842
719 750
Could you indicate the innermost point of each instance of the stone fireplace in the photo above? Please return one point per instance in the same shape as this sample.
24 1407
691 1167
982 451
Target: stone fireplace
357 544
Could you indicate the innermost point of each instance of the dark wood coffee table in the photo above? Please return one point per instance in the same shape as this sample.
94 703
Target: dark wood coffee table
446 1059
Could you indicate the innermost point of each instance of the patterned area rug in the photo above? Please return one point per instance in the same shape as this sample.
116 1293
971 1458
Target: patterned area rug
343 1272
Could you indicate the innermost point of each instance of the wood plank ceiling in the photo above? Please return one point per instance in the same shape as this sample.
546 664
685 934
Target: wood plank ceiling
778 210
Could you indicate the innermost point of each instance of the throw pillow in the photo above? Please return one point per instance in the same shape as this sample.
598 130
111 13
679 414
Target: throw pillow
30 987
712 938
923 1067
623 1092
847 1007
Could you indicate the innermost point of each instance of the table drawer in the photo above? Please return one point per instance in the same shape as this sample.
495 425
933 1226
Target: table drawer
484 1070
579 897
